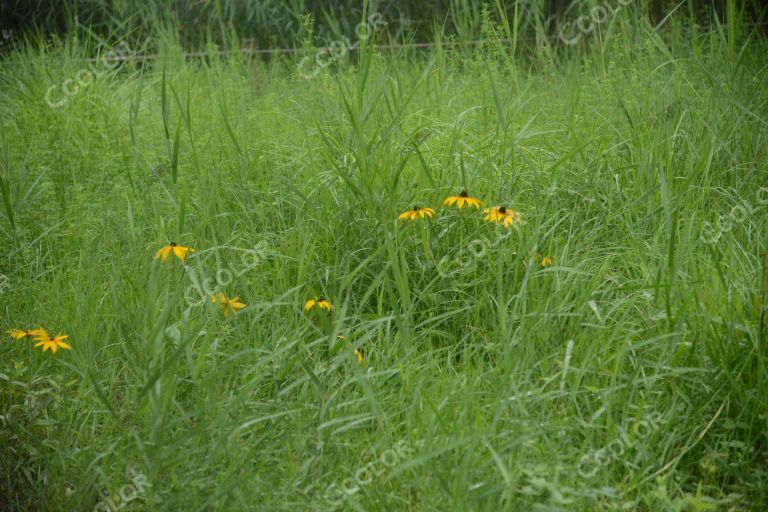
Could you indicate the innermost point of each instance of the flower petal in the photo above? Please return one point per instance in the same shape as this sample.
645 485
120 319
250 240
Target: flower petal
163 253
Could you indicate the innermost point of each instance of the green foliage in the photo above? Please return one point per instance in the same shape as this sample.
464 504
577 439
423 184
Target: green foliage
280 24
628 375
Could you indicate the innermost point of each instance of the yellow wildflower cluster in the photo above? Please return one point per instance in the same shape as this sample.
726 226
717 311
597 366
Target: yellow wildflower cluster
43 339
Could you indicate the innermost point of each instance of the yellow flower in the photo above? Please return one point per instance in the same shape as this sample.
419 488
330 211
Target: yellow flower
461 199
416 213
358 352
321 303
226 305
502 214
543 260
49 342
18 334
178 250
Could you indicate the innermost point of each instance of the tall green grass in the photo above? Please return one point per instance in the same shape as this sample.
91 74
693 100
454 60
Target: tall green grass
629 375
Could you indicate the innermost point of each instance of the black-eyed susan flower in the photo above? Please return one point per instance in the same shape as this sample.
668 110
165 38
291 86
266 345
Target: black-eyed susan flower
461 199
18 334
502 214
226 305
319 302
178 250
417 213
53 343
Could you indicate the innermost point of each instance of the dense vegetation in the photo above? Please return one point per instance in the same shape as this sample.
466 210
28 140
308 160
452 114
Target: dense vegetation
604 351
269 23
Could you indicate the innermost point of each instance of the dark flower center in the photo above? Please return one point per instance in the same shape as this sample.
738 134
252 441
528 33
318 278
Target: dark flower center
321 299
416 208
502 210
463 194
173 244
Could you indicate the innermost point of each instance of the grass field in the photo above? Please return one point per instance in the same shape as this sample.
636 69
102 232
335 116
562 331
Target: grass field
627 371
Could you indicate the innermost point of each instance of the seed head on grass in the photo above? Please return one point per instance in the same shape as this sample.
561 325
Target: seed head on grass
18 334
227 305
177 250
462 199
319 302
53 343
417 213
501 214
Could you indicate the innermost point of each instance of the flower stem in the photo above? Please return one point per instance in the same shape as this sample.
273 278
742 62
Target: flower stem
425 244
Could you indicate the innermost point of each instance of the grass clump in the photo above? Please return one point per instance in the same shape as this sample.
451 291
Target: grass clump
627 371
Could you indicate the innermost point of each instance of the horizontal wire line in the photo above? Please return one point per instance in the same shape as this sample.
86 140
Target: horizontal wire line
261 51
353 48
